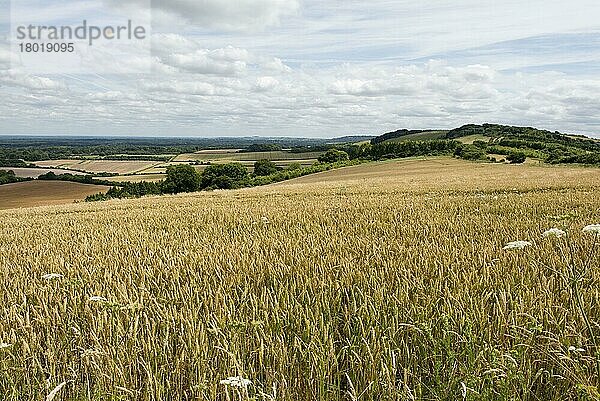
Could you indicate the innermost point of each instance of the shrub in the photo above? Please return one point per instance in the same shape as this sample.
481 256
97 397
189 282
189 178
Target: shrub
264 167
333 156
516 157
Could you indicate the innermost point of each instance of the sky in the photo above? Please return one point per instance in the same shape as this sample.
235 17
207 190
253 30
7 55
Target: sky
316 68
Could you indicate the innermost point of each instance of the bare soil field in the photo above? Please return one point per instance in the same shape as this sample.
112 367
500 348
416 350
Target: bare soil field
42 193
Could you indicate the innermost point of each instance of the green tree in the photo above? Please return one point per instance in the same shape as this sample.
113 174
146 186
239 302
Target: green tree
470 152
264 167
333 155
181 178
516 158
224 176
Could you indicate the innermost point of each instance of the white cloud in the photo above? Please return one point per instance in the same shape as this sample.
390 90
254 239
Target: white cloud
32 82
206 62
239 15
330 67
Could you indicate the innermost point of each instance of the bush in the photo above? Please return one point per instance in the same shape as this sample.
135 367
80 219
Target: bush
333 156
294 166
264 167
470 152
8 177
516 157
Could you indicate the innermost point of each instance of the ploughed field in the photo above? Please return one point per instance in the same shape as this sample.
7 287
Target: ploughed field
386 281
42 193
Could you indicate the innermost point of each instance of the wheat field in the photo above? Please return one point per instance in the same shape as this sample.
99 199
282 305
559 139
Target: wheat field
389 286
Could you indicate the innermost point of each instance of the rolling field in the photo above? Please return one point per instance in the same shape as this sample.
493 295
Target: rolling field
36 172
421 136
249 156
100 166
138 178
384 281
42 193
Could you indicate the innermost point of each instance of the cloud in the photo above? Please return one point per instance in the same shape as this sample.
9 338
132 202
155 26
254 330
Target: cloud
270 66
239 15
187 88
212 62
32 82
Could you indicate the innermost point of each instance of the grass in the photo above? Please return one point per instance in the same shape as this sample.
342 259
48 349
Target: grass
43 193
469 139
375 282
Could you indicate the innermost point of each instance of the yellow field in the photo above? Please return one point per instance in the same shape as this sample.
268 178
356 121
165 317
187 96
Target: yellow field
43 193
384 281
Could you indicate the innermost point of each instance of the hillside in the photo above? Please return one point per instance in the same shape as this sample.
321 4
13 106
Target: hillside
385 281
404 134
485 139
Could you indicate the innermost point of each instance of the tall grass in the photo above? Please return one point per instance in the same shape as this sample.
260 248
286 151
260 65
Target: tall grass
354 292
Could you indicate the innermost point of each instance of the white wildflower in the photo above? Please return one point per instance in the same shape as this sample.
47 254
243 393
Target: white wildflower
54 392
554 232
97 298
517 245
5 345
463 390
592 229
265 220
52 276
236 381
575 349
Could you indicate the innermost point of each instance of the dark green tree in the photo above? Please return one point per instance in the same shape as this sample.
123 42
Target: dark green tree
181 178
333 155
264 167
516 158
224 176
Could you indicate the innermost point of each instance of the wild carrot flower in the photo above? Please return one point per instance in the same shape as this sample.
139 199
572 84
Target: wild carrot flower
592 229
574 349
554 232
52 394
97 298
5 345
517 245
265 220
52 276
236 381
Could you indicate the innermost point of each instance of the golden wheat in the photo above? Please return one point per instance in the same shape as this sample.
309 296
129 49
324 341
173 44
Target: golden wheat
391 287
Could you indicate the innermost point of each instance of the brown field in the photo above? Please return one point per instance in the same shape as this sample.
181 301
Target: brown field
36 172
56 163
137 178
100 166
42 193
217 151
